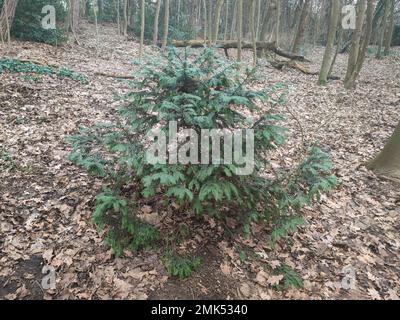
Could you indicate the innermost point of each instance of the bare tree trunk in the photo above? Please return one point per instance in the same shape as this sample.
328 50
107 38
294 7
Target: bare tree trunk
75 14
359 41
327 60
338 47
179 12
217 20
118 17
166 25
142 19
73 17
277 13
240 29
387 163
301 27
390 29
209 20
234 16
156 22
6 19
132 12
126 22
95 4
226 20
365 40
383 29
253 30
205 21
258 20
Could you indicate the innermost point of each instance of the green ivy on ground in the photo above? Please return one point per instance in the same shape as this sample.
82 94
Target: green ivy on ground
17 66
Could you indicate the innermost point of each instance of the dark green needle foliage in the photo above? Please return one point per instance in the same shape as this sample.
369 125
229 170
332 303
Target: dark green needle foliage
198 92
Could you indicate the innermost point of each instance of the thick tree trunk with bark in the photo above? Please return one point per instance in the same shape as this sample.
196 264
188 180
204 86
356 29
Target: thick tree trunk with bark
387 163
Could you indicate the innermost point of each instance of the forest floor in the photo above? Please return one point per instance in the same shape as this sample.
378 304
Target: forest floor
46 203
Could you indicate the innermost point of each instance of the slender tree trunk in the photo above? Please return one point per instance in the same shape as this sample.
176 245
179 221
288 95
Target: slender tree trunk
6 19
166 25
387 163
327 60
258 20
205 22
264 27
383 29
366 39
126 22
390 29
95 3
132 12
253 30
118 17
227 3
359 42
277 22
338 47
87 8
301 27
276 12
142 19
209 20
156 22
234 18
217 20
179 12
73 17
101 11
240 29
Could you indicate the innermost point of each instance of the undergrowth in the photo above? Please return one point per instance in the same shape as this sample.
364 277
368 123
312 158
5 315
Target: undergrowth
17 66
197 92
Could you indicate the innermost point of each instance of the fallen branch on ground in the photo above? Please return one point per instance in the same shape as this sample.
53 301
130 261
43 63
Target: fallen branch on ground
115 76
226 45
297 66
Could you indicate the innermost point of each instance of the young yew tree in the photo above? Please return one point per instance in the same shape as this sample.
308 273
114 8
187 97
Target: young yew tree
201 92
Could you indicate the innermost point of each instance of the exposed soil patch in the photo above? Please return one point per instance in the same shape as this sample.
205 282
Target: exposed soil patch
207 283
25 281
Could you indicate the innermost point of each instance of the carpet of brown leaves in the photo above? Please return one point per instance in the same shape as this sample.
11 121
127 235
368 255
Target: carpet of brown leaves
46 202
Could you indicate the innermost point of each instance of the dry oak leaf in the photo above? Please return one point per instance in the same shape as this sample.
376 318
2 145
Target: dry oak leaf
275 280
245 290
48 255
374 294
262 278
225 268
124 288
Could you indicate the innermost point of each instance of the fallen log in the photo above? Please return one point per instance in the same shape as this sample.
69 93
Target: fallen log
226 45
